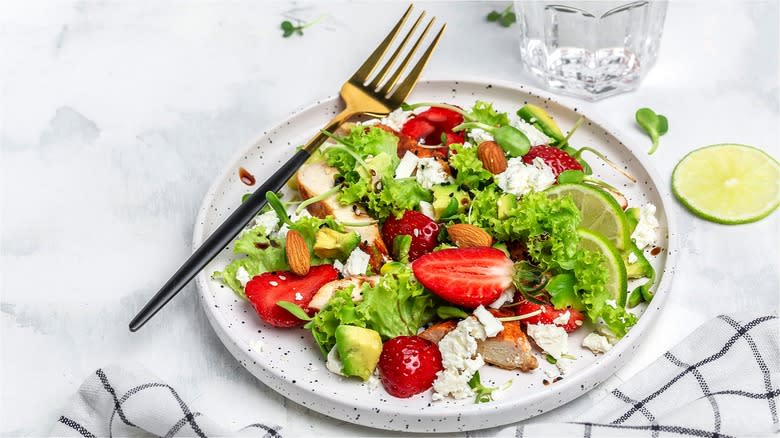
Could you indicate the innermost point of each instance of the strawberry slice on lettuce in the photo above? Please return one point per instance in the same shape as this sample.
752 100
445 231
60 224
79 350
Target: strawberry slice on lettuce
467 277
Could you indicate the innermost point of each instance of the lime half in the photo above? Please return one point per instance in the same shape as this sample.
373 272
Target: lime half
728 183
600 212
617 283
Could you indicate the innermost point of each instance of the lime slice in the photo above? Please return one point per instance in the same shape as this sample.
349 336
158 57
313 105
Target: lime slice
728 183
600 212
617 283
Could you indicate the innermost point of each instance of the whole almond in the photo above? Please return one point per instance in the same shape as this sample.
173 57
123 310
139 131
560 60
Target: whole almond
468 236
297 253
492 157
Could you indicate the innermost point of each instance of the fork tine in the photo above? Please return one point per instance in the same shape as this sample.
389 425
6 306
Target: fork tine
394 78
407 85
389 63
365 70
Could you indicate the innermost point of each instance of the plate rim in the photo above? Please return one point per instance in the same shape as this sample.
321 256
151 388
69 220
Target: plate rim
614 356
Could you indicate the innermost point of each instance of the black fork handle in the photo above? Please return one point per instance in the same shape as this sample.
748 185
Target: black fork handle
220 238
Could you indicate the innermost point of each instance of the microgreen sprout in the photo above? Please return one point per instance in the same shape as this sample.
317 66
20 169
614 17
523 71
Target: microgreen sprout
288 28
505 18
520 317
655 125
314 199
278 207
485 393
606 160
295 309
450 312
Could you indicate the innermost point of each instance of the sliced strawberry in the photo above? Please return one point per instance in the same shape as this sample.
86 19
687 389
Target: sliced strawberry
408 365
466 277
424 232
429 126
454 137
419 129
443 118
557 159
266 289
549 314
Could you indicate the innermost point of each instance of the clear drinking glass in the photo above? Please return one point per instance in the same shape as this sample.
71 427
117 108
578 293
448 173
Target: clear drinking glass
592 48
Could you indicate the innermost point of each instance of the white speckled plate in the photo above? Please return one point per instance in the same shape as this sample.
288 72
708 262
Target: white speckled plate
288 361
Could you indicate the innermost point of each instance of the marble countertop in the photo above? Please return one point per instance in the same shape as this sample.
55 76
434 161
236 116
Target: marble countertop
115 117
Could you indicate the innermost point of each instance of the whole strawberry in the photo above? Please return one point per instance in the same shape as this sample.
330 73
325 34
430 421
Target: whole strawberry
558 159
408 365
424 232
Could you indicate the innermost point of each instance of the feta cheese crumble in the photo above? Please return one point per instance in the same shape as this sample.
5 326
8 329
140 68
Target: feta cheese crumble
492 325
430 172
268 220
333 364
520 178
647 227
460 360
407 166
242 276
632 258
549 337
596 343
356 264
564 365
257 346
505 297
479 135
535 136
427 209
562 319
396 119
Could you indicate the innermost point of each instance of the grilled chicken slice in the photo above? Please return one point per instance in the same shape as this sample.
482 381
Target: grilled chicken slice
326 292
437 331
315 179
509 349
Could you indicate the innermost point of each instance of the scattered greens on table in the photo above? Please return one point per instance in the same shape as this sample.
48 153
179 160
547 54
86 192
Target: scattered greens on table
505 18
655 125
289 29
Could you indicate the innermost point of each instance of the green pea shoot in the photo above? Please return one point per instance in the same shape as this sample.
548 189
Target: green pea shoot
655 125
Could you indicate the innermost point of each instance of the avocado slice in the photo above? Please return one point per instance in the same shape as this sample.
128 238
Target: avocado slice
448 200
540 119
505 204
359 349
332 244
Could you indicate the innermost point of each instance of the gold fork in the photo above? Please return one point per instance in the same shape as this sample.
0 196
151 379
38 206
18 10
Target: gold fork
376 98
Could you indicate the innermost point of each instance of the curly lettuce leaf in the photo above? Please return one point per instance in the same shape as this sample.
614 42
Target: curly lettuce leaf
547 225
396 196
364 143
397 305
484 112
470 172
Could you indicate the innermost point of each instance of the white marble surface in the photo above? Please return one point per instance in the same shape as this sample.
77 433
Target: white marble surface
115 116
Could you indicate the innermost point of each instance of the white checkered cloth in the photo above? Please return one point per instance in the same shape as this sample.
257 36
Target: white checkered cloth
118 401
722 380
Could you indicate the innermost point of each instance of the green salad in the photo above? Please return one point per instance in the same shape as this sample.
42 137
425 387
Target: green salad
452 237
